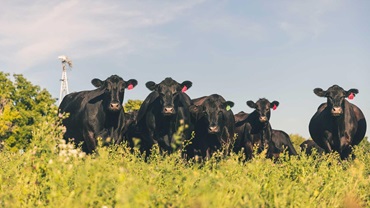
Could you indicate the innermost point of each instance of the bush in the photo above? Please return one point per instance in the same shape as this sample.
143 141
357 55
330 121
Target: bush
52 173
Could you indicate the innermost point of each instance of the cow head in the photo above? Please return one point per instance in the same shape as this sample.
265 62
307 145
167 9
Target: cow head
263 108
335 98
168 91
113 91
213 112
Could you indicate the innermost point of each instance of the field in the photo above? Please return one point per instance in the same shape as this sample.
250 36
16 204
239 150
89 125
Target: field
54 174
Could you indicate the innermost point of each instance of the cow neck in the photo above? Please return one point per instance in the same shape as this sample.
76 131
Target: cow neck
113 119
255 122
341 121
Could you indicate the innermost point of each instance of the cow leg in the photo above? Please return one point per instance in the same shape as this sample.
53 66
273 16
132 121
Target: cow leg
147 142
225 141
345 143
345 152
208 153
248 150
165 144
345 147
89 144
327 146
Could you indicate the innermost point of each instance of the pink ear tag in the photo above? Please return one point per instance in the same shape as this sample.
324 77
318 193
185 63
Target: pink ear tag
184 89
351 96
274 108
130 87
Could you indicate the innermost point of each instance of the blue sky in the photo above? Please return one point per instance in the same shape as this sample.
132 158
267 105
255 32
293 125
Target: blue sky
242 50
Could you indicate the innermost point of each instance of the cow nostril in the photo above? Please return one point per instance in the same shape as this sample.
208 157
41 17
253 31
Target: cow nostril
168 110
336 109
212 128
114 105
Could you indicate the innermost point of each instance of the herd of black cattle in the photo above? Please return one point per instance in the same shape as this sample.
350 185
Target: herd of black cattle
337 125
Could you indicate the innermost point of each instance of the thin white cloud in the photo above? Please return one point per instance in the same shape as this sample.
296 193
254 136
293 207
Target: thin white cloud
232 26
305 19
32 33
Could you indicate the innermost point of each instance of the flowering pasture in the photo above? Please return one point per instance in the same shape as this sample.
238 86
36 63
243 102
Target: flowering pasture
52 173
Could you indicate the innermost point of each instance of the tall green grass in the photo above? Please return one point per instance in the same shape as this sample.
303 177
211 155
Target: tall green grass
54 174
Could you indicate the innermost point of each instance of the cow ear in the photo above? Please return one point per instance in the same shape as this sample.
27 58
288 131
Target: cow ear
350 94
150 85
131 84
185 85
274 105
319 92
251 104
354 91
97 82
229 105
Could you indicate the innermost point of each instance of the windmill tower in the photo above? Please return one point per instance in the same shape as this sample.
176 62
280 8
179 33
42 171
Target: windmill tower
64 80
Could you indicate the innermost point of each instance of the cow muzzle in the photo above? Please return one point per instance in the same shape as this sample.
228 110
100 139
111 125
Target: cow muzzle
168 110
114 106
336 111
263 119
213 129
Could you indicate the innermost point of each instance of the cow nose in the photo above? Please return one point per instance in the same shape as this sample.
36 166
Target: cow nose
114 105
263 118
168 109
336 110
213 129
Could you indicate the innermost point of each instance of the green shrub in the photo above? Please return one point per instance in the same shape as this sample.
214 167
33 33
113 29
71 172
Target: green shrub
52 173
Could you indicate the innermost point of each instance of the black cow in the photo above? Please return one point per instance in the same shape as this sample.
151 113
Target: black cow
337 125
213 124
96 113
308 147
130 130
281 141
162 113
257 122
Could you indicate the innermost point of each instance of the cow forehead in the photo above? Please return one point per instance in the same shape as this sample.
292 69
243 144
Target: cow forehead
214 102
263 103
210 104
114 79
169 84
335 90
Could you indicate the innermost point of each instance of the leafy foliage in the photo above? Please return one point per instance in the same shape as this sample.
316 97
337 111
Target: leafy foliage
132 105
22 106
52 173
297 140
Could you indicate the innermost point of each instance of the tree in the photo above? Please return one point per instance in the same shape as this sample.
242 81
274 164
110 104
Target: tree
132 105
22 107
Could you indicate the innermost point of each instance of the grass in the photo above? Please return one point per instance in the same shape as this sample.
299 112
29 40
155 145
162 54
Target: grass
54 174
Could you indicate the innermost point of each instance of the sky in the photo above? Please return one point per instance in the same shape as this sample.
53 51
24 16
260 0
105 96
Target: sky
242 49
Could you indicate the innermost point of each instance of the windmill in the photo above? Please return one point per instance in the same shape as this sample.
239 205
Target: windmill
64 80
